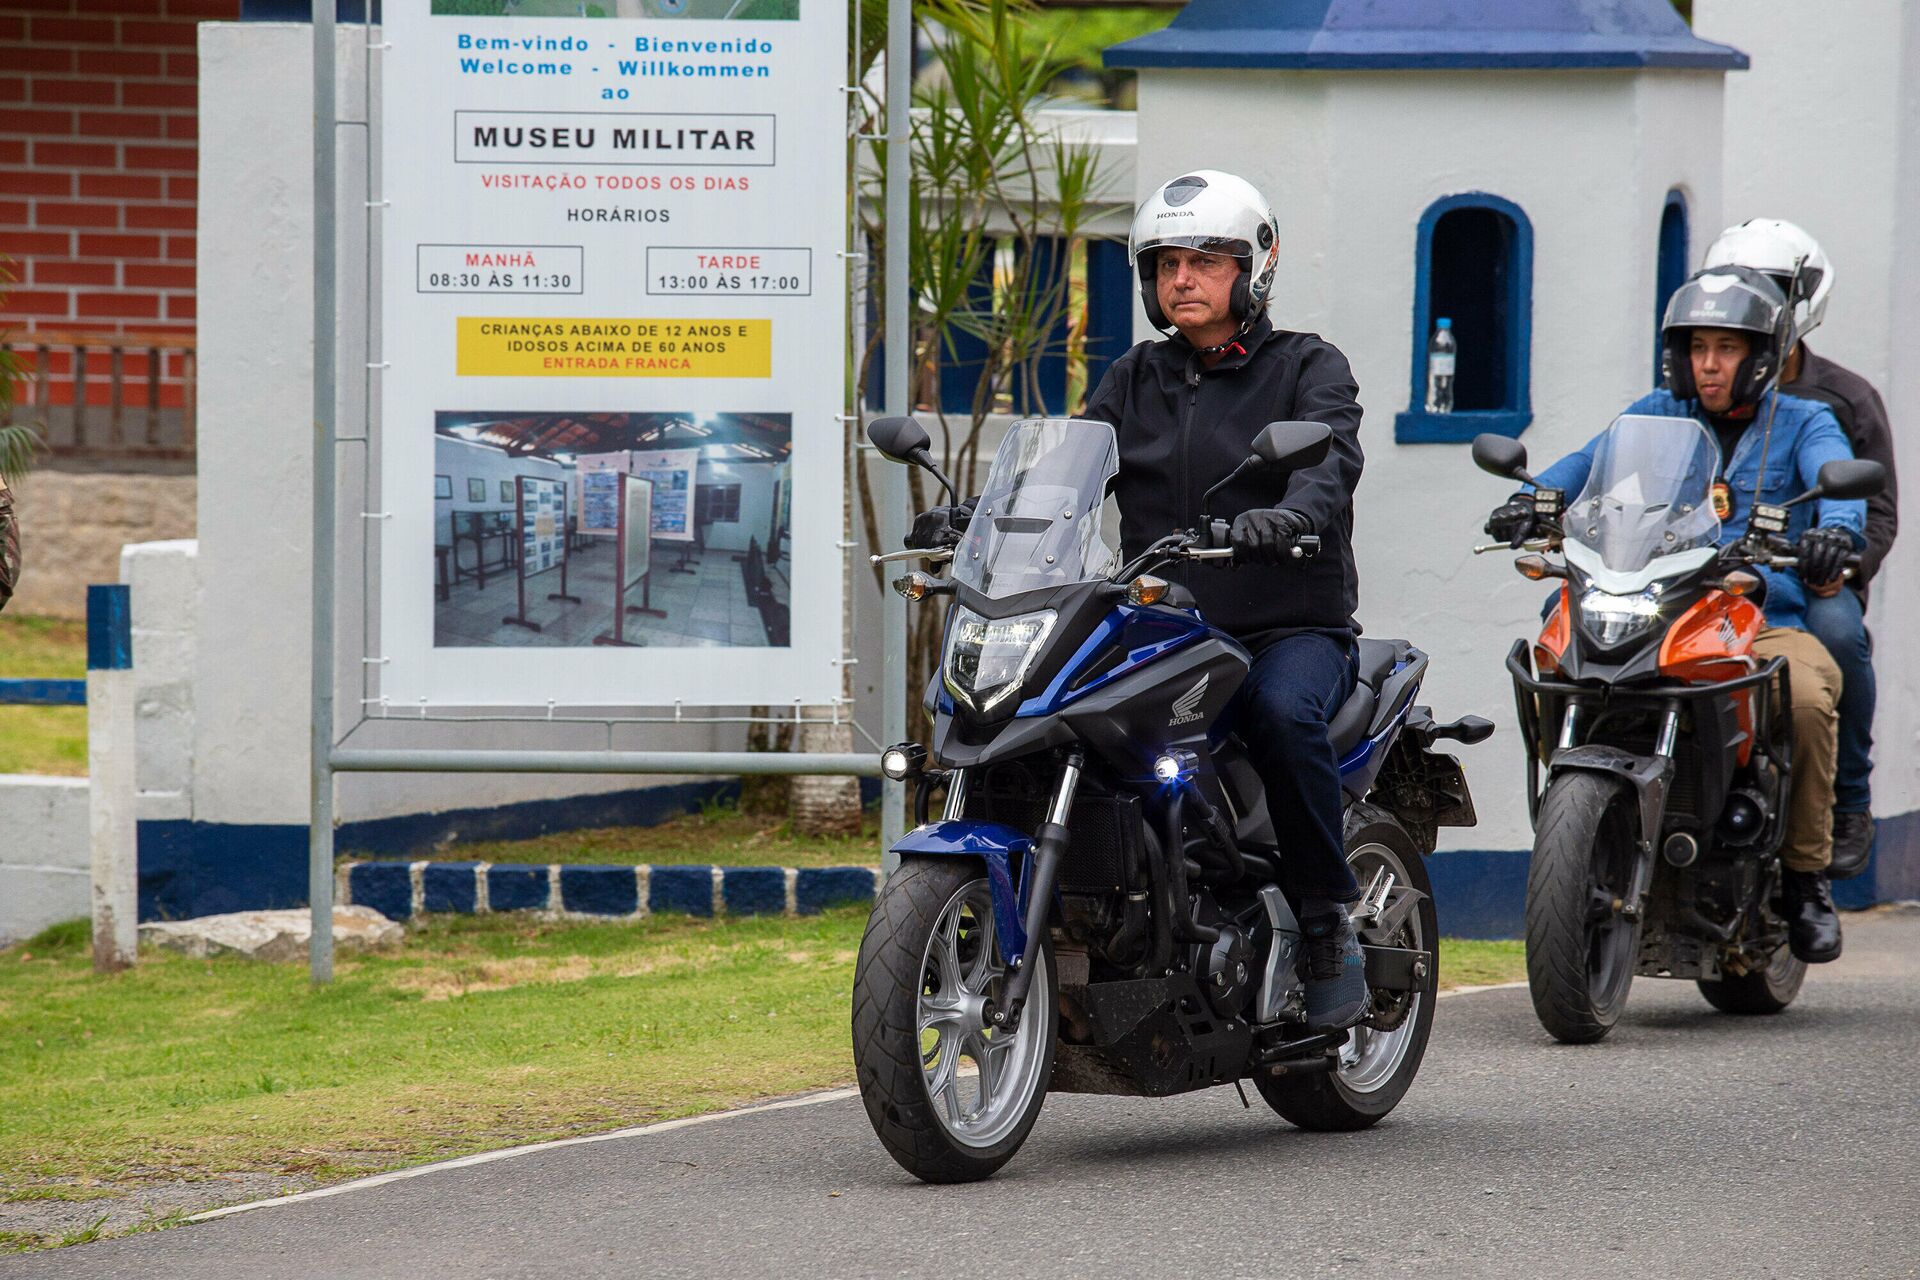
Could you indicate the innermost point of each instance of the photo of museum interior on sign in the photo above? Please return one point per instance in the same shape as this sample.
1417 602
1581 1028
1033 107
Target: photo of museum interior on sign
668 530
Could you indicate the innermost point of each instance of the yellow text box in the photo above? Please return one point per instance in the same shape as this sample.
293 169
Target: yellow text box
525 347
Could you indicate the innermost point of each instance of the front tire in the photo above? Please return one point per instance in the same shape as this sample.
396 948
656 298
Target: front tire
1581 947
929 964
1381 1057
1761 992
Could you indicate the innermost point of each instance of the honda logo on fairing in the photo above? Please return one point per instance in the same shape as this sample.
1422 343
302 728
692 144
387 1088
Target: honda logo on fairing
1186 707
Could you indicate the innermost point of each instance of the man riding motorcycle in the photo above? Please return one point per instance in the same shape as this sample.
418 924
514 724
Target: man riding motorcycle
1837 617
1186 410
1722 345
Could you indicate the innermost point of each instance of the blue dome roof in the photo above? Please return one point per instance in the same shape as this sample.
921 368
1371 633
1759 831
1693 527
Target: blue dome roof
1360 35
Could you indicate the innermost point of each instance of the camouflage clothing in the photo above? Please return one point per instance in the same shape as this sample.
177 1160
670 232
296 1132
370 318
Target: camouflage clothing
9 545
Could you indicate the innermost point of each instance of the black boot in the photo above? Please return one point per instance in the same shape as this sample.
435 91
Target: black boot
1813 926
1852 845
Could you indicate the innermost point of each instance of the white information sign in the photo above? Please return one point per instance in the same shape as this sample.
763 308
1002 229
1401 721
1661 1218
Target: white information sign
543 524
599 502
674 500
611 230
638 530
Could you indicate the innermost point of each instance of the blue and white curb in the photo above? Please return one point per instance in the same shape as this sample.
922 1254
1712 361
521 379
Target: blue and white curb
401 890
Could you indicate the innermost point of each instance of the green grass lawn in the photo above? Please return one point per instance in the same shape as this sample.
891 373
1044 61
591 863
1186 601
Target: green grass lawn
183 1083
43 739
721 835
481 1032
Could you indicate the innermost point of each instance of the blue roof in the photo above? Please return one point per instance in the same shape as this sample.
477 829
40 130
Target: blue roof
1385 35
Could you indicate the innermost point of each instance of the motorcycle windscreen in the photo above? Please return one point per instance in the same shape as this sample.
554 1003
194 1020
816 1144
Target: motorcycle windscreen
1649 494
1038 523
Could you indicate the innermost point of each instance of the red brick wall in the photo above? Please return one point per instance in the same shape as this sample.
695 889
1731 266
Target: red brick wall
98 172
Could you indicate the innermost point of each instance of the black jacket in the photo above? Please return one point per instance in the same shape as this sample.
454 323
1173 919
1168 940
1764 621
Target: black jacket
1864 418
1183 426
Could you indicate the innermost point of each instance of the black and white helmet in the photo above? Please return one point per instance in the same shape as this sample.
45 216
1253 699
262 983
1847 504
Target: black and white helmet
1212 212
1736 298
1776 247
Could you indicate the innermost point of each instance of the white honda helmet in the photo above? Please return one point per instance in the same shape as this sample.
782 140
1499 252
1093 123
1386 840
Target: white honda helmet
1775 246
1213 212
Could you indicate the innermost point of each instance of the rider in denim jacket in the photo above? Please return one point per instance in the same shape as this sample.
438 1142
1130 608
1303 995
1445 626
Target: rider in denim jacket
1725 337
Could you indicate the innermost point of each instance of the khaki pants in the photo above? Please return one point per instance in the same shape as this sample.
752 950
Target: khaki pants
1816 719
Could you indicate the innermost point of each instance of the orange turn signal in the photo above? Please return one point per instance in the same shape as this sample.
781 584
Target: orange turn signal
914 586
1739 582
1146 589
1533 567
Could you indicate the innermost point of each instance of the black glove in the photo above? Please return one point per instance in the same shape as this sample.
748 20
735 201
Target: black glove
1267 536
940 527
1514 521
1823 553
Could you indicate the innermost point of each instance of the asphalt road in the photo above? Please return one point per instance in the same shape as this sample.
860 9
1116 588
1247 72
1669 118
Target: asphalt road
1687 1144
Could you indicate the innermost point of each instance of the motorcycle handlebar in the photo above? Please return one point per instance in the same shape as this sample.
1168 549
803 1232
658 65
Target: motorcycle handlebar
938 555
1305 547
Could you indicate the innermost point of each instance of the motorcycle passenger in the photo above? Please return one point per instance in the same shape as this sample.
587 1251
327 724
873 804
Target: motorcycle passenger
1837 617
1721 341
1186 410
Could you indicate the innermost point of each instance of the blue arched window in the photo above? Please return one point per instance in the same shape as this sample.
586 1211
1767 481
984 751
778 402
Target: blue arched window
1474 265
1670 272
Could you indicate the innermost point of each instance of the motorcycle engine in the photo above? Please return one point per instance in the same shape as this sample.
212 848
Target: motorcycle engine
1224 968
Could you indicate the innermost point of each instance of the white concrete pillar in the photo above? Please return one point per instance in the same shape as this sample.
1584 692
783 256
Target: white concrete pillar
111 760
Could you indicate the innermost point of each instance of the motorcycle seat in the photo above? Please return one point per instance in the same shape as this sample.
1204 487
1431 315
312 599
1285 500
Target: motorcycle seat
1377 659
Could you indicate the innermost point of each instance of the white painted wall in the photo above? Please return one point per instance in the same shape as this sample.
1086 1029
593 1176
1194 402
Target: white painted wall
464 460
1825 131
1350 161
44 858
756 503
251 705
164 585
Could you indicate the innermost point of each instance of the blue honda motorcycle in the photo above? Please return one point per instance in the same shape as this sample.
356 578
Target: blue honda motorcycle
1097 908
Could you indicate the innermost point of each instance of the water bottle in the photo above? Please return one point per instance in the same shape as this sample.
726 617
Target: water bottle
1441 349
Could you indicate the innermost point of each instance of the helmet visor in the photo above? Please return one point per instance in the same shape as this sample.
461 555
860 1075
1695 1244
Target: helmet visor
1226 246
1715 301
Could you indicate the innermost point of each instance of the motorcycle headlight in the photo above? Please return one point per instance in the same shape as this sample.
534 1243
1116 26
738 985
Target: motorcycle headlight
1612 619
987 659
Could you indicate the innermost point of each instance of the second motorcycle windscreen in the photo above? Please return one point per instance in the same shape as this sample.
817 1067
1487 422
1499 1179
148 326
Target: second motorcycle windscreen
1650 492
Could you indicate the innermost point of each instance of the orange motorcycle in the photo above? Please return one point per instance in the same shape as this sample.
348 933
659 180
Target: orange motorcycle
1659 748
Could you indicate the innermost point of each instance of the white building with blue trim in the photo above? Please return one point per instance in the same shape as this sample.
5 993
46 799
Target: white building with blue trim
1544 173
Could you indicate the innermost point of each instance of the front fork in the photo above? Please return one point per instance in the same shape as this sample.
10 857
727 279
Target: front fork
1050 847
1650 788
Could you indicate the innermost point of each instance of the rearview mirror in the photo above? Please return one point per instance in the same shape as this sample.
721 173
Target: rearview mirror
1502 456
899 438
1851 478
1293 446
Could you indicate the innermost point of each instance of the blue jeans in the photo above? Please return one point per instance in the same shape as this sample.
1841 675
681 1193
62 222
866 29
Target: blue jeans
1291 695
1842 628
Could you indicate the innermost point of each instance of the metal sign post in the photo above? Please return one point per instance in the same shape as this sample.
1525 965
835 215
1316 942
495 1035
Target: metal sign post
891 491
320 740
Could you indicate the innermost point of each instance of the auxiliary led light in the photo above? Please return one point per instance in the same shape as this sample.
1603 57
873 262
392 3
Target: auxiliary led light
903 762
1174 766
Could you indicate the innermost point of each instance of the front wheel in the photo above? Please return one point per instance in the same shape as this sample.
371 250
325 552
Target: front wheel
951 1096
1382 1055
1763 991
1581 940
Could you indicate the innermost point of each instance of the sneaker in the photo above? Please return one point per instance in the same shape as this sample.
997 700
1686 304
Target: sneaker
1852 844
1813 926
1334 969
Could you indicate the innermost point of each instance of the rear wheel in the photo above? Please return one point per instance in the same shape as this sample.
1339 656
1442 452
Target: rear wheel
1581 944
1381 1057
951 1096
1763 991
